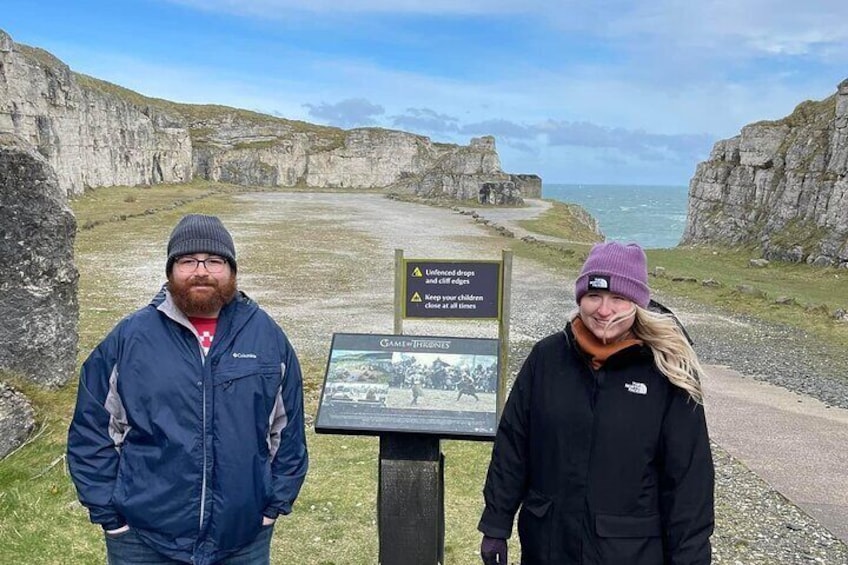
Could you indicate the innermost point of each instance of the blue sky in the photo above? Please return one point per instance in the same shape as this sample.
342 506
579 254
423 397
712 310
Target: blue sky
603 91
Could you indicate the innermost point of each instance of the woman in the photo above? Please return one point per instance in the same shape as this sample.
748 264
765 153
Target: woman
603 441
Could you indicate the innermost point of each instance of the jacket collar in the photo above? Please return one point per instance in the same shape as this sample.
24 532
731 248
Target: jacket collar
627 355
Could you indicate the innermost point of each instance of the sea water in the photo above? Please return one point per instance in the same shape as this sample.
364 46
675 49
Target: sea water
652 216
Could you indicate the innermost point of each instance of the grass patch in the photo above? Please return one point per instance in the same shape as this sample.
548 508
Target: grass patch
118 203
567 221
816 292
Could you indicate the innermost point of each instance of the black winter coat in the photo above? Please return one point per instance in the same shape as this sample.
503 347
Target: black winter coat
610 467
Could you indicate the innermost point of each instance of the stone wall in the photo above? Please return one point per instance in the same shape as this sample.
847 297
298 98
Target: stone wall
781 186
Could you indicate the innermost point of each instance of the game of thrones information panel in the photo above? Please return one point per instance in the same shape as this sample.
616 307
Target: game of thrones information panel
443 386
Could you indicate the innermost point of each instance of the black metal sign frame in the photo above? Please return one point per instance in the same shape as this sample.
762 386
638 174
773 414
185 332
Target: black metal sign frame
444 387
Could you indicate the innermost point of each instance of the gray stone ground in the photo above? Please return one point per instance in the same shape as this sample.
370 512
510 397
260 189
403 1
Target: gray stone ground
759 517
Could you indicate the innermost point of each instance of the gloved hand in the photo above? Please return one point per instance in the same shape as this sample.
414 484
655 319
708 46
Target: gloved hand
493 551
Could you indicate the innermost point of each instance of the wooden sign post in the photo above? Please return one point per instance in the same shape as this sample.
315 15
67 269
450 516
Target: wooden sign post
411 495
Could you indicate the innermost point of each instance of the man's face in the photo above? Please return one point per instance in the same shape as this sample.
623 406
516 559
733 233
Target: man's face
201 284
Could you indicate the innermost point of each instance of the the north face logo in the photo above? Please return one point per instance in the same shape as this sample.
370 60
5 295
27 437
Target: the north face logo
598 282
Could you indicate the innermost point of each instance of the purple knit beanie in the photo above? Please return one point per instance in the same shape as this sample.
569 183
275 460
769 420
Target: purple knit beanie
619 268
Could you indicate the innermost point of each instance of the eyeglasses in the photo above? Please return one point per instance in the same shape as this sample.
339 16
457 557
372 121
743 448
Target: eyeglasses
189 264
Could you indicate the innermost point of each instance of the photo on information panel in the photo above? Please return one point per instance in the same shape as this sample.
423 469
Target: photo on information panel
442 386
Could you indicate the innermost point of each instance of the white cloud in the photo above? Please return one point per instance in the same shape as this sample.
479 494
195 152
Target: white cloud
348 113
738 28
276 9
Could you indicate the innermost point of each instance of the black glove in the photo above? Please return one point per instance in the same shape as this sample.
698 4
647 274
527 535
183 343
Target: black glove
493 551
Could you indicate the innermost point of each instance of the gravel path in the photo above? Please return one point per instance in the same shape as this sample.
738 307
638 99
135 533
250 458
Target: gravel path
773 353
755 523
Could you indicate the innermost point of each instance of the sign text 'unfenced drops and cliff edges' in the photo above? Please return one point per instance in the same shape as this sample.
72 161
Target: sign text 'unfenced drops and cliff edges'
452 289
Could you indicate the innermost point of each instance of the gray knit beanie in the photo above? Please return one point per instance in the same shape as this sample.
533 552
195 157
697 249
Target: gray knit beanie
196 233
616 267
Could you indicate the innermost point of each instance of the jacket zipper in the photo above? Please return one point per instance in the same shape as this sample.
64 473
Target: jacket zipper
598 376
203 427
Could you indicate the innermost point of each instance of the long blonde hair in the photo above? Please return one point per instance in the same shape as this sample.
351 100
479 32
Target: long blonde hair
673 354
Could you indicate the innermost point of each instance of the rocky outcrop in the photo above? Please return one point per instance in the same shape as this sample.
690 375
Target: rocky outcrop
98 134
780 186
254 152
465 173
530 186
38 281
17 419
258 153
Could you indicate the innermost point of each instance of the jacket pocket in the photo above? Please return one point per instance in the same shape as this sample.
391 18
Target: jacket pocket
634 540
227 377
610 526
257 382
535 524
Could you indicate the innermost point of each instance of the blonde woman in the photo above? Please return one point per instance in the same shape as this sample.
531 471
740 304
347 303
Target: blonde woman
603 443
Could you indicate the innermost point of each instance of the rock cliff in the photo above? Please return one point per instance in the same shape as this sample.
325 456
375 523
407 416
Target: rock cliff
780 186
89 137
95 133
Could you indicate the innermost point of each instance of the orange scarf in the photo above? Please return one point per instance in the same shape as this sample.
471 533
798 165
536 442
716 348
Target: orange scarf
597 350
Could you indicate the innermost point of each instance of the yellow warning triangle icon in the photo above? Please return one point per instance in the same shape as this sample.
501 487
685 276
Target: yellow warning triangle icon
415 297
416 272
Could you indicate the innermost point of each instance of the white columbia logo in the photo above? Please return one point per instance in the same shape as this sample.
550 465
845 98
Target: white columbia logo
636 388
244 355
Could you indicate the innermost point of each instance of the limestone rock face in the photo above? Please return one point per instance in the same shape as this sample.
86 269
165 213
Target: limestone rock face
467 173
90 137
259 154
530 186
17 419
97 134
38 281
781 186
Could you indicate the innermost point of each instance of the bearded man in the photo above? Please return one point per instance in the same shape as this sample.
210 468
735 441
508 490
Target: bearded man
187 440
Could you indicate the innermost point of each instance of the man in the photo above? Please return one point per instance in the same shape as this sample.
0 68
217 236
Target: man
466 386
417 391
187 441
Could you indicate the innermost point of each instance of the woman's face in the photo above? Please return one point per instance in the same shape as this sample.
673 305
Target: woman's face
607 315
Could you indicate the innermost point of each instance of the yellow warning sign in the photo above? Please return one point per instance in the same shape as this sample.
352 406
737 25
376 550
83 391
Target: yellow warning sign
415 297
416 272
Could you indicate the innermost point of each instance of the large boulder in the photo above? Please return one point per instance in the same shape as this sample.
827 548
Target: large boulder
38 281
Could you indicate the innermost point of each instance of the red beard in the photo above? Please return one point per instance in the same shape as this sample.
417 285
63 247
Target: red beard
201 295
